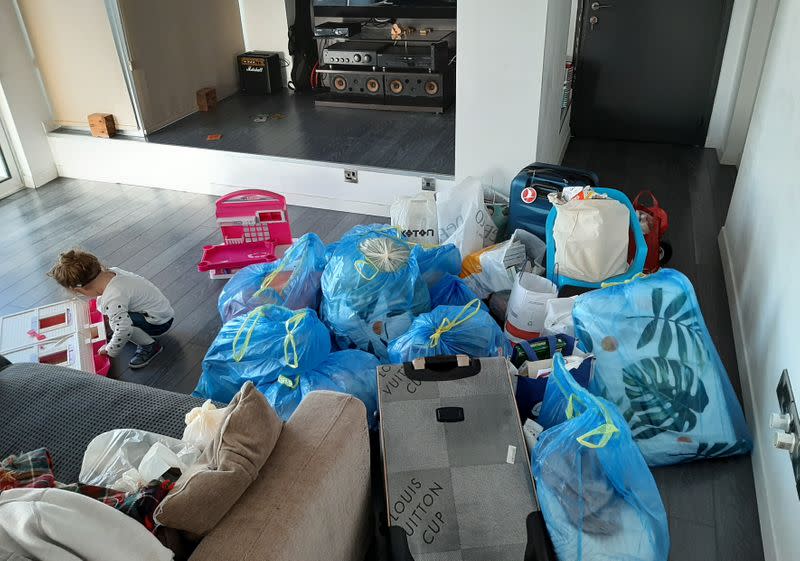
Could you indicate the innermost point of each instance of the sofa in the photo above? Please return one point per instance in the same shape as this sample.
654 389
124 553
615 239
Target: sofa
310 501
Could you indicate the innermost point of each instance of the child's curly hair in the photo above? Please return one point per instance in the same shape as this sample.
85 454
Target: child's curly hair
75 269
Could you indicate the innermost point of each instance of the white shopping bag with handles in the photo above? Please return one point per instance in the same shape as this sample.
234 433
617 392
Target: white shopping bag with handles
416 217
463 218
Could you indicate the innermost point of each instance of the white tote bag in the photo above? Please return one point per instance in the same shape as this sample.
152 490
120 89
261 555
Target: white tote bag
416 217
463 218
591 239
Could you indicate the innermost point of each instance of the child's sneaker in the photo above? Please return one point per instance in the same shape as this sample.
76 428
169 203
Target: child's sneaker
144 355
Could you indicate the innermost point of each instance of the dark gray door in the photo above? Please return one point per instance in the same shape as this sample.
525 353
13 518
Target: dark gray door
647 69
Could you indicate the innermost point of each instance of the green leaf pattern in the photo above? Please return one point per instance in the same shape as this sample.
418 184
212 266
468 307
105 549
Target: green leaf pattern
676 328
665 395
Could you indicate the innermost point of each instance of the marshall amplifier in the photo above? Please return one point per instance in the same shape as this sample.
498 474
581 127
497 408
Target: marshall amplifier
259 73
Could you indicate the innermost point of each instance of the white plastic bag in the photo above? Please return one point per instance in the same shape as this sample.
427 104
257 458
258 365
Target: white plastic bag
416 217
463 218
494 268
591 239
202 423
526 306
125 459
558 317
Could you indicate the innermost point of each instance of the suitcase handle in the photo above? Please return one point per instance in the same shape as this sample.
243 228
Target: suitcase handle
441 368
591 176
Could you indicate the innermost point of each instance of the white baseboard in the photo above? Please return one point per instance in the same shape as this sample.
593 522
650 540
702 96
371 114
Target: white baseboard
215 172
755 418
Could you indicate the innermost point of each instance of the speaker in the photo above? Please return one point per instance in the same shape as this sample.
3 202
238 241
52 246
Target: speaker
259 73
427 85
355 83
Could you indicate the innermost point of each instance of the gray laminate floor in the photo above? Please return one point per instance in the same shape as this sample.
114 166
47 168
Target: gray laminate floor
419 142
159 233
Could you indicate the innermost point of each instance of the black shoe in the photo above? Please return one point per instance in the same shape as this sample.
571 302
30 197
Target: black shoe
144 355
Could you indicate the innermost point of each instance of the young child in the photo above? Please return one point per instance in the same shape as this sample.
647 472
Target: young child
136 310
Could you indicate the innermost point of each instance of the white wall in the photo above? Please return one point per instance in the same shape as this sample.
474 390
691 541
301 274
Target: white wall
551 143
730 73
266 27
760 33
76 54
23 104
760 253
177 48
740 74
500 98
199 170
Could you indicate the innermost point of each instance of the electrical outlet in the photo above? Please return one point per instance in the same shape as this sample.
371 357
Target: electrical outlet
428 184
350 176
790 426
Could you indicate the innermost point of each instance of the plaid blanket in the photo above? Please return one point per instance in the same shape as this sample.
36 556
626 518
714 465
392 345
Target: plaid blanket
31 470
35 469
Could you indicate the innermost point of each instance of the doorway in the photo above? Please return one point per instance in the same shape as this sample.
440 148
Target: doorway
647 70
10 180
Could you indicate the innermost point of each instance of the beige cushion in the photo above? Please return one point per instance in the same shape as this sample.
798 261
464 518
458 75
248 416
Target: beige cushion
205 493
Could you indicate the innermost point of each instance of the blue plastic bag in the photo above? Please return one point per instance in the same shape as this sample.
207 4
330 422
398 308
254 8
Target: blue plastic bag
372 289
293 281
597 494
452 291
435 262
268 343
352 372
658 363
451 330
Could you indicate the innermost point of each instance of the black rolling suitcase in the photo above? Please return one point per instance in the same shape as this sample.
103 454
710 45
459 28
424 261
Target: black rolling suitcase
457 472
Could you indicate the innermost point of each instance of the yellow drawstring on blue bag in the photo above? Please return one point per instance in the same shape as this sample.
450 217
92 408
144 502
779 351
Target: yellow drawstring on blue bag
251 319
605 431
448 324
265 284
290 346
626 281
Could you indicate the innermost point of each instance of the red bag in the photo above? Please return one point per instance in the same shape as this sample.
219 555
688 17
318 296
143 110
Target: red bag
657 224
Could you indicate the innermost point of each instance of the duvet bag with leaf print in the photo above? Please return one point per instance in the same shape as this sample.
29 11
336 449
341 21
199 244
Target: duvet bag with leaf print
656 361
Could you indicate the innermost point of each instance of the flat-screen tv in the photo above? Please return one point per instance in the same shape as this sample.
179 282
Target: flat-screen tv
385 8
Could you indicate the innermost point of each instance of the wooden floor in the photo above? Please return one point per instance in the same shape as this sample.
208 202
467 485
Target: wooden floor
159 233
153 232
711 504
419 142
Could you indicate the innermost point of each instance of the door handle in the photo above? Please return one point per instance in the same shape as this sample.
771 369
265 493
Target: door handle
597 5
592 22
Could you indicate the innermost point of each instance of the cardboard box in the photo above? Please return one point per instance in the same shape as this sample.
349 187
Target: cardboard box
102 125
206 99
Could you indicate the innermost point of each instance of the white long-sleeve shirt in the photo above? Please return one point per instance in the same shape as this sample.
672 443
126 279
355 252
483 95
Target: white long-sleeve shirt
128 292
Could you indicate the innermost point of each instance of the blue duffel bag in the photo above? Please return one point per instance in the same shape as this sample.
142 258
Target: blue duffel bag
528 205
